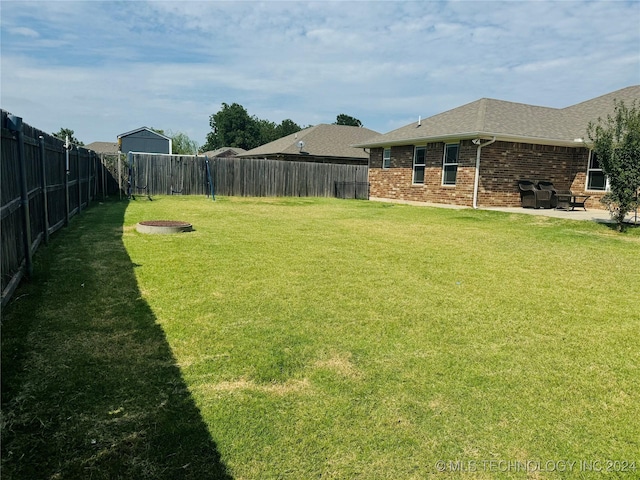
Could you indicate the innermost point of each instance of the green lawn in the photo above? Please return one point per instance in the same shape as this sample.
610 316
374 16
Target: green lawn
322 338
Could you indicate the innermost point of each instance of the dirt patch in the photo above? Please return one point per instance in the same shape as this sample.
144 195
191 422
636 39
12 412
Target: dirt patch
242 384
342 365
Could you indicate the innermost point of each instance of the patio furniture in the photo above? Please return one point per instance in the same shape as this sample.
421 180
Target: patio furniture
568 201
579 201
532 197
546 185
563 201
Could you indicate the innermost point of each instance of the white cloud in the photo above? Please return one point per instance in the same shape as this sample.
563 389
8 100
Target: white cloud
25 32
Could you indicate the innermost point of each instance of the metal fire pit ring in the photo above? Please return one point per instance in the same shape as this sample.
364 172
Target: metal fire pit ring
163 226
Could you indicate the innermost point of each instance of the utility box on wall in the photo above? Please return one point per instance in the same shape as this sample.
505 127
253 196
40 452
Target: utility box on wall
144 140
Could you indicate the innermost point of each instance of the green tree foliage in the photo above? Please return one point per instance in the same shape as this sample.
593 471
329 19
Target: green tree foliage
232 126
616 142
181 144
287 127
268 131
343 119
64 132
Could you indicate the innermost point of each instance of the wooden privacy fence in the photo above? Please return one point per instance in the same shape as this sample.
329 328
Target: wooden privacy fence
163 174
281 178
156 174
43 185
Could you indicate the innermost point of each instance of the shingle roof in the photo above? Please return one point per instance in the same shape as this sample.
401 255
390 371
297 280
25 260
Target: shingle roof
224 150
320 140
130 132
508 120
103 147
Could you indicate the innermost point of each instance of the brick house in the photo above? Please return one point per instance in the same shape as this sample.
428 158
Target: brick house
475 154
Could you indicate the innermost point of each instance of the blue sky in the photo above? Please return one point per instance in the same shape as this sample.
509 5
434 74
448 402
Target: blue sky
104 68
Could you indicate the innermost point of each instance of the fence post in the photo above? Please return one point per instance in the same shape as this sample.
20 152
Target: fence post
119 175
103 176
79 180
210 180
15 125
45 200
66 183
130 177
94 164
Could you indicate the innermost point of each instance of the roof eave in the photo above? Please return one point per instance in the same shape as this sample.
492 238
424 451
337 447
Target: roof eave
471 135
416 140
141 129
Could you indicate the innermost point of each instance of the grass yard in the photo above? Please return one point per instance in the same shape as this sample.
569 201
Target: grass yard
322 338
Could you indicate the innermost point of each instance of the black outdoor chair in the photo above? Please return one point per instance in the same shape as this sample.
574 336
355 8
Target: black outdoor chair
532 197
556 195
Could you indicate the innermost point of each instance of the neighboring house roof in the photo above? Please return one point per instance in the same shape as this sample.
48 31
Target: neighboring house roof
225 152
103 147
320 140
131 132
487 118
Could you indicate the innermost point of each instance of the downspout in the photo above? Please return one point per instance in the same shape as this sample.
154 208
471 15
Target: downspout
476 180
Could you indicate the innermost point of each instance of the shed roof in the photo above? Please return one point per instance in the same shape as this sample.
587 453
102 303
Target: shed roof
508 120
322 140
131 132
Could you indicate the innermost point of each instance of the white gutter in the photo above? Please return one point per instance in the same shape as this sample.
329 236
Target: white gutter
455 137
476 180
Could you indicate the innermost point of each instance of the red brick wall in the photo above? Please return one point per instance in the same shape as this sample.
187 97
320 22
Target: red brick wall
502 165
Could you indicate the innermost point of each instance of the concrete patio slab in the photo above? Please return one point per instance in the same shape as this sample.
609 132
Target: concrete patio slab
593 215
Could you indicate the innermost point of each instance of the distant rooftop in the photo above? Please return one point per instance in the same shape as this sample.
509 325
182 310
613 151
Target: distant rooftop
225 152
322 140
103 147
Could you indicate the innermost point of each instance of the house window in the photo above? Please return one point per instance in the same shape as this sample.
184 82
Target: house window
419 157
386 158
596 179
450 164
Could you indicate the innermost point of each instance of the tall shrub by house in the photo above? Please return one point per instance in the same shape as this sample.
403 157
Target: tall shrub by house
616 142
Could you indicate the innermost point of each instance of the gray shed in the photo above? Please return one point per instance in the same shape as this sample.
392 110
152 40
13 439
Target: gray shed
144 139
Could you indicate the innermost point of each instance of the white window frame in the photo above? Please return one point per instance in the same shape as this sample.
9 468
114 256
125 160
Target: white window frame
590 169
386 158
446 164
423 165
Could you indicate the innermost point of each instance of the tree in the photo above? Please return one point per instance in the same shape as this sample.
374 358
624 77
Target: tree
267 131
64 132
343 119
232 127
616 143
287 127
181 144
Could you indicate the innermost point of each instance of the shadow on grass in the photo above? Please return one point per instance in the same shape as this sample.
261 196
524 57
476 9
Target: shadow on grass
90 388
627 227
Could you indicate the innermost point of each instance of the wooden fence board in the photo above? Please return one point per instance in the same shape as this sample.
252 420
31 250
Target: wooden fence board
161 174
33 194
